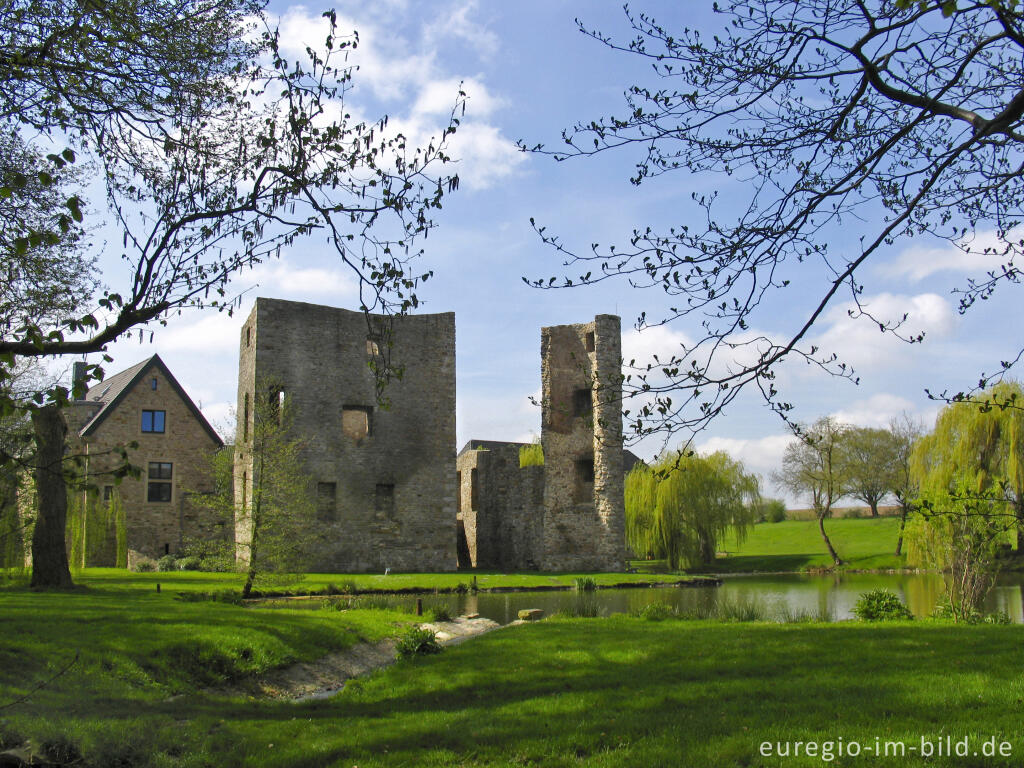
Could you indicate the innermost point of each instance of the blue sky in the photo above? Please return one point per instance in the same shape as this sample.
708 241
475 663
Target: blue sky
529 73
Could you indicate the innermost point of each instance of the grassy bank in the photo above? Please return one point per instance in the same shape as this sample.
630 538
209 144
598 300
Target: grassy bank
796 545
194 581
602 692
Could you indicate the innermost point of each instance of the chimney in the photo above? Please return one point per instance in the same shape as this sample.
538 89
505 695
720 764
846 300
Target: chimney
78 376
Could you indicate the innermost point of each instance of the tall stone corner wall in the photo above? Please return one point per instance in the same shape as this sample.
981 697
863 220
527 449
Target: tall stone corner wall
584 513
383 478
500 510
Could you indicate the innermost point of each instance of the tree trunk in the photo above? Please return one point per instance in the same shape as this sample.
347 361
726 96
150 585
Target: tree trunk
903 524
49 552
828 543
874 507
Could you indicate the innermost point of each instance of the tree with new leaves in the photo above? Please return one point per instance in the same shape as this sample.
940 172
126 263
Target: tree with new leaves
682 507
970 475
905 433
870 455
843 127
271 499
814 464
216 150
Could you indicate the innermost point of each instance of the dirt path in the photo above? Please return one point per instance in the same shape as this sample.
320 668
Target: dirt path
327 675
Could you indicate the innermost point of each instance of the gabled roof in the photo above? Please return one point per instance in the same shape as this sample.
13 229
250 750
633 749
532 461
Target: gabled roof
110 392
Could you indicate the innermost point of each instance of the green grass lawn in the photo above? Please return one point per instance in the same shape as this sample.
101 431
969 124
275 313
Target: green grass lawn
796 545
194 581
567 692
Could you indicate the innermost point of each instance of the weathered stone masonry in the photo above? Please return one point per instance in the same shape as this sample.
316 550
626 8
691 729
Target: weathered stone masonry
384 478
568 514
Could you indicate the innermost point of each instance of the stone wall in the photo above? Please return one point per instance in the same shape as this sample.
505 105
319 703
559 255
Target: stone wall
385 477
502 515
584 509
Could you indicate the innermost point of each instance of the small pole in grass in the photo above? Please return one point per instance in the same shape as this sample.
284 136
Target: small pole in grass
419 606
158 587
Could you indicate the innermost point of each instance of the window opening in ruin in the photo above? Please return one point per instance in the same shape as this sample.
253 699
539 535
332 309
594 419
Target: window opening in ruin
326 499
153 383
245 489
384 499
245 418
167 549
473 489
108 492
248 336
276 403
159 487
590 341
153 421
582 403
584 486
356 421
372 347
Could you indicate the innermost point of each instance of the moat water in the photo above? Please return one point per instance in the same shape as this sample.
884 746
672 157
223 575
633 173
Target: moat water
829 597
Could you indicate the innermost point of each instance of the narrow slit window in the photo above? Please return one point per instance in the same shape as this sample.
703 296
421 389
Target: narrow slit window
589 341
326 501
245 418
153 384
584 490
384 499
275 401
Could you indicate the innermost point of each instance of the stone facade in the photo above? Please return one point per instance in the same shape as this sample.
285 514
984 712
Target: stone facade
384 478
146 405
568 514
581 431
500 507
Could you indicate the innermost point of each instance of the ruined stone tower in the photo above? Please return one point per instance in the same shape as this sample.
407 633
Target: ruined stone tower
384 479
584 507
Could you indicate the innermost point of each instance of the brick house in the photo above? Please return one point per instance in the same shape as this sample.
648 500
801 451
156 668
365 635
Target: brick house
146 405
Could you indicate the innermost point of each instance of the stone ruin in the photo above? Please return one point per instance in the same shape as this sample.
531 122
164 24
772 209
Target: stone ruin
390 494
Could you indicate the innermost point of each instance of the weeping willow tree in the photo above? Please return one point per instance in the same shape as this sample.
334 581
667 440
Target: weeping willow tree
681 508
970 471
96 531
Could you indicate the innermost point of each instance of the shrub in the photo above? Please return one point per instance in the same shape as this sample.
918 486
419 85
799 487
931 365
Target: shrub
999 617
167 563
774 511
440 613
880 605
655 612
190 563
585 584
531 455
417 641
144 565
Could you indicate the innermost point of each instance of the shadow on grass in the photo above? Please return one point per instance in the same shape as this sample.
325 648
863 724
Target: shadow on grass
768 563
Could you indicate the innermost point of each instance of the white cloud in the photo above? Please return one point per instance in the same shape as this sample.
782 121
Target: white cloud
978 255
875 411
859 342
763 454
459 25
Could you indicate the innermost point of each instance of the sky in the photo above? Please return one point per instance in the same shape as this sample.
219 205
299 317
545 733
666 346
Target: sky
529 73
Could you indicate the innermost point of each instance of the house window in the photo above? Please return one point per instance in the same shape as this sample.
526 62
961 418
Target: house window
384 499
153 421
355 421
159 487
589 341
582 403
326 498
153 383
108 493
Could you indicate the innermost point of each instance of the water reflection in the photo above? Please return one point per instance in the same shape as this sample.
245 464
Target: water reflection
829 596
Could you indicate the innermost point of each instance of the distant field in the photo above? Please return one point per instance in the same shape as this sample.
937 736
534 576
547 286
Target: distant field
796 545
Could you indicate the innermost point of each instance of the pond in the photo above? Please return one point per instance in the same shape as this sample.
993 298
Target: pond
830 597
